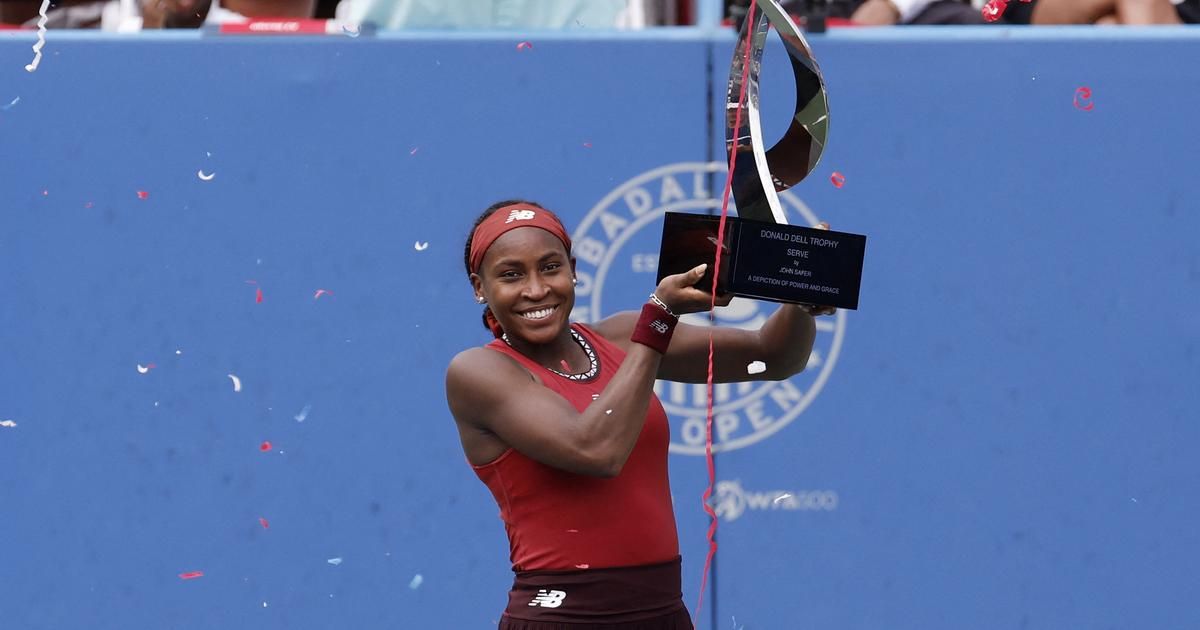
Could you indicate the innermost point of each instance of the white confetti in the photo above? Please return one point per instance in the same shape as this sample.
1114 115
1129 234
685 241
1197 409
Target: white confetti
10 105
7 423
352 31
419 246
179 352
237 383
781 497
264 604
609 412
142 369
205 176
416 582
756 367
41 36
334 561
300 417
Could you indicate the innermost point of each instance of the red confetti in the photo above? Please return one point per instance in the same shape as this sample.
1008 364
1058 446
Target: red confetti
321 292
258 295
143 194
262 521
414 151
1083 99
191 575
566 366
587 145
582 566
524 46
266 446
838 179
994 9
45 193
87 205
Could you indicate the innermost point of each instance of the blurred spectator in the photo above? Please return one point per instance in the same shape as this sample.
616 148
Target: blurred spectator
507 14
1116 12
871 12
133 15
886 12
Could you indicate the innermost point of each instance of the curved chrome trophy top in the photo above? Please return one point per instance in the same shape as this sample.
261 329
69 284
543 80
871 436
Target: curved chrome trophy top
760 174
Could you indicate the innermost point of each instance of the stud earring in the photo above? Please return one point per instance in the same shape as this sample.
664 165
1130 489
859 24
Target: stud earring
574 280
480 299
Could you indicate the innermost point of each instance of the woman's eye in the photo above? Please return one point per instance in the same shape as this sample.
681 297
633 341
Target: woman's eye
552 266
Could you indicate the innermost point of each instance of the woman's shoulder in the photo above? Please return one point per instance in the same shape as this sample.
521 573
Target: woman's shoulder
479 378
482 364
615 329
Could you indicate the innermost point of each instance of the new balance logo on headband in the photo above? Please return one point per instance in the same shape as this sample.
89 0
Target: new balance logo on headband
549 599
520 215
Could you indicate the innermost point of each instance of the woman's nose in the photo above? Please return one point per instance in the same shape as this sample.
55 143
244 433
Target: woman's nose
536 288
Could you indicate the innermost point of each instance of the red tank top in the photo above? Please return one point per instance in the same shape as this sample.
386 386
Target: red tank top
561 520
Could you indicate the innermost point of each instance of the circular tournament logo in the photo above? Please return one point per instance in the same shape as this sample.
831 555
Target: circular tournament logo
616 247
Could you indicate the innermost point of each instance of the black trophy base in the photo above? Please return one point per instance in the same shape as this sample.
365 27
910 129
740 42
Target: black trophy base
766 261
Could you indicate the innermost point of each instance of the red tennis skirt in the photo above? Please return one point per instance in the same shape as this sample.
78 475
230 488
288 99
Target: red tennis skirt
647 597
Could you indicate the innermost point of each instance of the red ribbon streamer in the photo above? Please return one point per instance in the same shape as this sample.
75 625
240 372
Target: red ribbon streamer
1083 99
708 422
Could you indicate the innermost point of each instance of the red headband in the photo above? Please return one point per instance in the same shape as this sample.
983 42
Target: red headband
511 217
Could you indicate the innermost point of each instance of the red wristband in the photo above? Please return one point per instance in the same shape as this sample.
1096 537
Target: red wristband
654 328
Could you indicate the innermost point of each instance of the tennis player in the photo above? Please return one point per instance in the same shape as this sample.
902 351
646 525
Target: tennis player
561 423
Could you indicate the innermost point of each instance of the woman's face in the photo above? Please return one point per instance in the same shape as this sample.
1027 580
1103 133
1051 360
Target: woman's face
526 276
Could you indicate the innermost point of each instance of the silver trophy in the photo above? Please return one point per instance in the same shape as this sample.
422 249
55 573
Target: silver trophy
761 256
759 174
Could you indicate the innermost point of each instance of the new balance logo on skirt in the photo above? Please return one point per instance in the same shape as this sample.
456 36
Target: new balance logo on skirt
549 599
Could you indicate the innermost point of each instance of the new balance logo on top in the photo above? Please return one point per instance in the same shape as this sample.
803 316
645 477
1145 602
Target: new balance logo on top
519 215
661 327
549 599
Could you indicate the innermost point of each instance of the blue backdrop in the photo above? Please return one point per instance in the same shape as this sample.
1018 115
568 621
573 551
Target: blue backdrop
1000 438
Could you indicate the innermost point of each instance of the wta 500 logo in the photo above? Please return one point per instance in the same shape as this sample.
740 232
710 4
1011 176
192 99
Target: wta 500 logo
617 245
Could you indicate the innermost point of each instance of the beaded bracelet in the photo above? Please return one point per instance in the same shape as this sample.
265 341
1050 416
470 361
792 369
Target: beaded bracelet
663 305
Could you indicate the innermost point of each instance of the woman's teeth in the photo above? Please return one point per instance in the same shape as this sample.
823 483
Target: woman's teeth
542 314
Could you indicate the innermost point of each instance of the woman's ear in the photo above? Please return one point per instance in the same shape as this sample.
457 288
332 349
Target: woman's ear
477 285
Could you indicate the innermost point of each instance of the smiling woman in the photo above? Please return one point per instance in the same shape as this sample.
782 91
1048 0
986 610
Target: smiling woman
561 423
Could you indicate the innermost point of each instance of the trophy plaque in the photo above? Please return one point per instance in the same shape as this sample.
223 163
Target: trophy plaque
763 257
